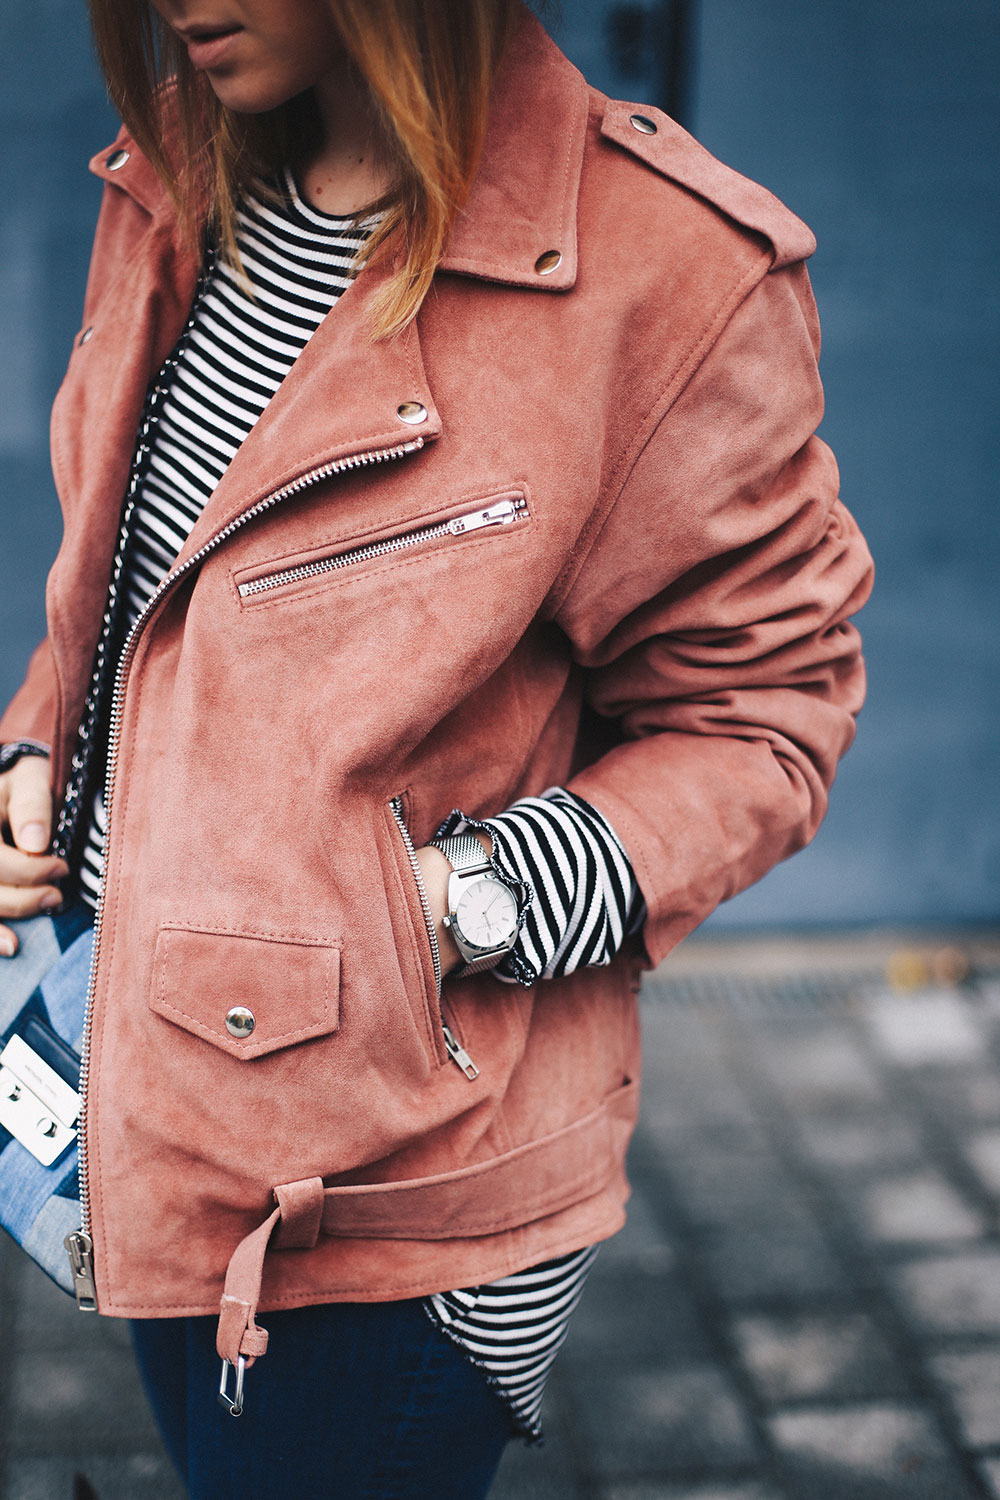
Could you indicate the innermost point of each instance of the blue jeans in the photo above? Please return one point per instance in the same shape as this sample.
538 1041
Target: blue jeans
353 1401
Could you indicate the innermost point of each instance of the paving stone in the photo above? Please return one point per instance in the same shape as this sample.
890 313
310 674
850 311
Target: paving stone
137 1476
925 1028
714 1113
920 1207
785 1261
637 1321
955 1294
829 1356
58 1399
718 1188
656 1424
983 1151
643 1245
972 1383
964 1093
873 1452
677 1044
46 1318
533 1473
859 1143
821 1069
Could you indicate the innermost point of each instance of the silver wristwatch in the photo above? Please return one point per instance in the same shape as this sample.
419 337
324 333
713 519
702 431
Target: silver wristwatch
484 912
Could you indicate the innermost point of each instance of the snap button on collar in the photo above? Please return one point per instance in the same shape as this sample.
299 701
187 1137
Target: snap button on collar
116 160
412 412
86 335
547 262
644 123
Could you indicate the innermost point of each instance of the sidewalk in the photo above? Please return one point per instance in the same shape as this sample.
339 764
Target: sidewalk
805 1304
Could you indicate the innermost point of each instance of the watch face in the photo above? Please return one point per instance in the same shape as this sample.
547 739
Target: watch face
486 914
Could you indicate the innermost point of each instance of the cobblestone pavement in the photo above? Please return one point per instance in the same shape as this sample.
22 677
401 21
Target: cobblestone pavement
805 1304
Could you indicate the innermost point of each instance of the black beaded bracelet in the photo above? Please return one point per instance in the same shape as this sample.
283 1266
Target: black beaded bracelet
11 753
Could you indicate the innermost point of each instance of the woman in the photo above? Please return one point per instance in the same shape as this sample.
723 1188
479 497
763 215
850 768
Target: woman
476 500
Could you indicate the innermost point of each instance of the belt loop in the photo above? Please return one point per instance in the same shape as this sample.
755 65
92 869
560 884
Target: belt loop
295 1223
301 1207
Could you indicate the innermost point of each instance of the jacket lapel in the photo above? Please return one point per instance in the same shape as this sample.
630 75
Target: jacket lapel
523 202
342 396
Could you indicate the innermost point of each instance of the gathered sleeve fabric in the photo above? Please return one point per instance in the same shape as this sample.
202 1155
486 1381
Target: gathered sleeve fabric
709 613
31 713
583 900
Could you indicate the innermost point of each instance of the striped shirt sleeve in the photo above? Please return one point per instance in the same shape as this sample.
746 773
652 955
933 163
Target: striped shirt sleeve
584 900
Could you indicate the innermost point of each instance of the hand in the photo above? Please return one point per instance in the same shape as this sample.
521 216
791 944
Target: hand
27 873
436 869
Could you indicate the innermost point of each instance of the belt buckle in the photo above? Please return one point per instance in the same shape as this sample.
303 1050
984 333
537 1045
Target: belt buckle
233 1403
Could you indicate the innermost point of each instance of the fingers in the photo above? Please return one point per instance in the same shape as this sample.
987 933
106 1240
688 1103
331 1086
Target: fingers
21 901
28 875
20 869
27 887
29 804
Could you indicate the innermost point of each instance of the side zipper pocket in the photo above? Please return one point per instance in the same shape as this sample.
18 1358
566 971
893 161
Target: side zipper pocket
499 513
453 1046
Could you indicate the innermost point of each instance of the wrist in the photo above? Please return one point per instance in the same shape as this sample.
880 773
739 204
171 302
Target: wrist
436 870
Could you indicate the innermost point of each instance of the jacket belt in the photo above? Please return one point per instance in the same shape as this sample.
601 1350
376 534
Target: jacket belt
568 1166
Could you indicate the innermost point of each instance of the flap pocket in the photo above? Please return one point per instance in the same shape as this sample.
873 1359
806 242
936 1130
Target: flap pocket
246 992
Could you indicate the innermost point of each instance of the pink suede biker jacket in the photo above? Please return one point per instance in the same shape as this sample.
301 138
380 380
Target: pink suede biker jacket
617 362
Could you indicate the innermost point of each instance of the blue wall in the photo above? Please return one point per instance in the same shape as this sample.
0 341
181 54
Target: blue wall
878 123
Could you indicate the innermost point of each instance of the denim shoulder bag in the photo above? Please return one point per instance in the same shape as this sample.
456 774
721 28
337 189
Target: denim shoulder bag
43 991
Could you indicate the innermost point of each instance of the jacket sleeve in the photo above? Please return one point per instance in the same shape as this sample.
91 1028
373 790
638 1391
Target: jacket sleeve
31 713
709 615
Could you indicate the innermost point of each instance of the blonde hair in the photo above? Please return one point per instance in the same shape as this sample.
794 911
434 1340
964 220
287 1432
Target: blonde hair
429 65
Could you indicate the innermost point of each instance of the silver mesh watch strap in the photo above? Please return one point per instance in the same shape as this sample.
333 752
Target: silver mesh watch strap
463 851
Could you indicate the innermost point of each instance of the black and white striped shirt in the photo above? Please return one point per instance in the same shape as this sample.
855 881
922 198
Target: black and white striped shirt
236 350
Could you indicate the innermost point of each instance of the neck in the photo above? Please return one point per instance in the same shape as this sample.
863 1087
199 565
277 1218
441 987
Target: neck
347 168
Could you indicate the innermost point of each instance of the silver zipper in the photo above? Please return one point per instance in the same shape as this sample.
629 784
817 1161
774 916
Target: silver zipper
81 1260
80 1245
458 1054
418 875
452 1045
501 513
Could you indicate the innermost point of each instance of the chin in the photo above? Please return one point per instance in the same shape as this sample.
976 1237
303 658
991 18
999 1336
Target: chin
246 96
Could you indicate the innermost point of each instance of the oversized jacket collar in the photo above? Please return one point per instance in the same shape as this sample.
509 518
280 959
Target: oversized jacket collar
523 201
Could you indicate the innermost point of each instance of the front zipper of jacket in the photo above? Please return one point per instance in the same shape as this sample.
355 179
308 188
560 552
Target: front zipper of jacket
453 1046
499 513
80 1244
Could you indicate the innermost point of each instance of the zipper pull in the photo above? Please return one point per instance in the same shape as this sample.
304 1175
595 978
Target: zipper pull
500 514
81 1261
457 1052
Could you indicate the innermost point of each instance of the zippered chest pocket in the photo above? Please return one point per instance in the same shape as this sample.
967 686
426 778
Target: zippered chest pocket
492 515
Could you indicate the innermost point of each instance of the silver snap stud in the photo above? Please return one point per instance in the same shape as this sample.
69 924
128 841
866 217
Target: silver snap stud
644 123
117 160
240 1021
412 412
86 336
547 262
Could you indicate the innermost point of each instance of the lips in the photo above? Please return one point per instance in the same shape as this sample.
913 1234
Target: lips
209 44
